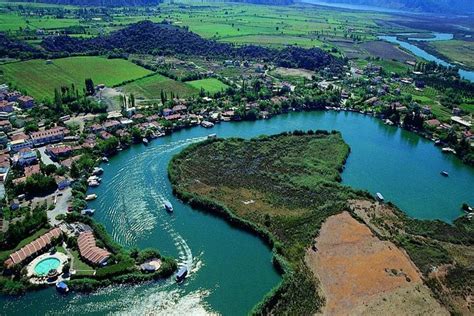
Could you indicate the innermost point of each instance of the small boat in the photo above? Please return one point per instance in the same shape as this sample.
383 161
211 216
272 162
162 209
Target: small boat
448 150
444 173
105 159
181 274
207 124
88 211
97 171
168 206
379 197
94 178
93 183
91 197
145 141
211 136
62 287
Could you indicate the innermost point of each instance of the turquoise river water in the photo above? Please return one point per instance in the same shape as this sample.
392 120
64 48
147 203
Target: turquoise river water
231 270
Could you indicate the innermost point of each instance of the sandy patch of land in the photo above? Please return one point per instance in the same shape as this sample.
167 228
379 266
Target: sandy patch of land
294 72
361 274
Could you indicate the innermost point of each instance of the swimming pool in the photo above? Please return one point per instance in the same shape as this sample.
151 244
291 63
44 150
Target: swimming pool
46 265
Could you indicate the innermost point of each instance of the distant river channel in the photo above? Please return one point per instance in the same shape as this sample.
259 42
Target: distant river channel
231 270
415 50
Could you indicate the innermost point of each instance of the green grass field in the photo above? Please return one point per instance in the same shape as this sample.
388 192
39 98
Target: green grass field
40 79
460 51
211 85
149 88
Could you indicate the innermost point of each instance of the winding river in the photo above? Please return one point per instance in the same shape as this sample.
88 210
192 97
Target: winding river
231 269
415 50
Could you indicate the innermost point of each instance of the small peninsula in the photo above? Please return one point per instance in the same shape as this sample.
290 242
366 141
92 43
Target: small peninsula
286 188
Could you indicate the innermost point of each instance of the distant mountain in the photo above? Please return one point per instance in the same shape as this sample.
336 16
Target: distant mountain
99 3
163 39
270 2
432 6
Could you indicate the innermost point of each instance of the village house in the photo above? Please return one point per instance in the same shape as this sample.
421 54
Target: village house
25 157
12 96
16 145
167 112
3 139
89 251
6 106
173 117
112 125
105 135
35 247
58 151
434 123
62 182
26 102
4 160
179 108
48 136
5 126
96 128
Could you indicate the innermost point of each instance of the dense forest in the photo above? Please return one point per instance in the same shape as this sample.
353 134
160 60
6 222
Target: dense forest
435 6
163 39
16 49
100 3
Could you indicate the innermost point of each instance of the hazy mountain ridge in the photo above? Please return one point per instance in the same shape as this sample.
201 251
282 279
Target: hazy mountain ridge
434 6
99 3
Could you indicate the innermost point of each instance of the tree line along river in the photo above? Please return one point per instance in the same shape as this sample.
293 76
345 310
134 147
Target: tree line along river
231 270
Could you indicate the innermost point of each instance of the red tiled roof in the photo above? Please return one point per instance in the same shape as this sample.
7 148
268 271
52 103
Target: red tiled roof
89 250
48 133
33 247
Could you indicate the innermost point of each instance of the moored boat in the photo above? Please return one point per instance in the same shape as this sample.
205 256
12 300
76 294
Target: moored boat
62 287
91 197
97 171
88 211
379 197
145 141
210 136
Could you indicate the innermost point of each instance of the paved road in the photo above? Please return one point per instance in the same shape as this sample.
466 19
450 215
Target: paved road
60 207
45 158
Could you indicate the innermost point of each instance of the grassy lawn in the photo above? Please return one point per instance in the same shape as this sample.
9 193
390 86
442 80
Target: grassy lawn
5 253
211 85
393 66
40 79
80 266
274 40
150 87
458 51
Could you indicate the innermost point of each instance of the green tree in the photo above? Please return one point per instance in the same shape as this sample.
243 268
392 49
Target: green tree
90 89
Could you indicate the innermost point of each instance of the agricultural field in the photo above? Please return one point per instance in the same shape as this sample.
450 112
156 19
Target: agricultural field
39 79
149 88
387 51
275 40
459 51
211 85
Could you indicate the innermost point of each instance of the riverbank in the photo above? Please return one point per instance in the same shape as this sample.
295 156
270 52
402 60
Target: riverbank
289 214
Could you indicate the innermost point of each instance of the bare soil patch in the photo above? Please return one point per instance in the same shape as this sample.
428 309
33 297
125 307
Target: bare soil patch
386 50
361 274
